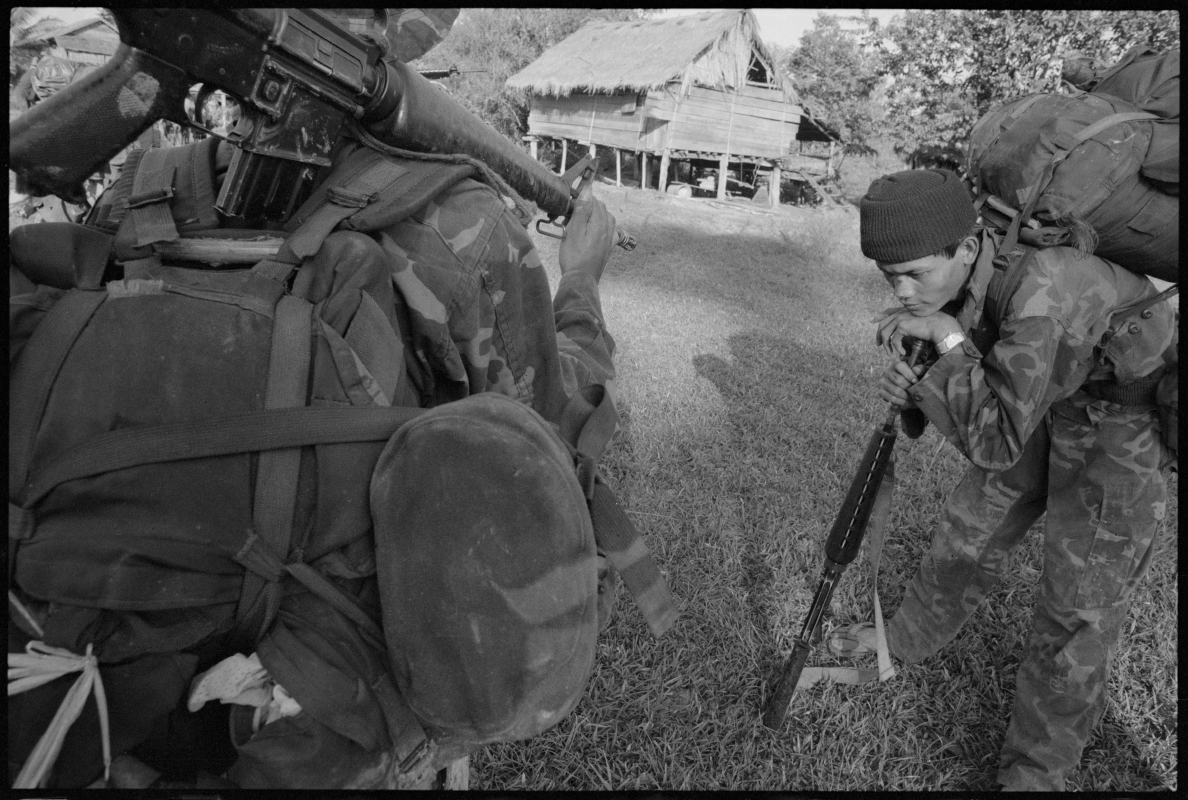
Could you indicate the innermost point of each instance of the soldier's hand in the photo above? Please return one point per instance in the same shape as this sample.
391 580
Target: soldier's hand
894 383
589 237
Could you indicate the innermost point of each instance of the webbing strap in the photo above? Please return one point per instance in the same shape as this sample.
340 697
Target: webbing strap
408 737
34 374
342 202
1004 283
875 536
235 433
587 423
277 473
628 554
152 188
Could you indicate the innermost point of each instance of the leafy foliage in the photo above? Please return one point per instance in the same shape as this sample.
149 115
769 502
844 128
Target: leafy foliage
503 41
872 81
838 78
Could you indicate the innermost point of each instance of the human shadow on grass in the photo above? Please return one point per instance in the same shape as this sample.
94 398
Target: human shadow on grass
738 266
797 419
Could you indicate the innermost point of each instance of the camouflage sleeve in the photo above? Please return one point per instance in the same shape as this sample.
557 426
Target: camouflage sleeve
479 309
989 406
585 345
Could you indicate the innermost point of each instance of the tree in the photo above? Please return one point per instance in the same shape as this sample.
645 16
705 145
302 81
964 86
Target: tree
978 58
838 76
503 41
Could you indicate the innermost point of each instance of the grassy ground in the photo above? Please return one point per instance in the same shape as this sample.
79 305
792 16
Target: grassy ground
747 376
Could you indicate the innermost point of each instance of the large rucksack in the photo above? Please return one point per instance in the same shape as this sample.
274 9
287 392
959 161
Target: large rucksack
1094 164
192 459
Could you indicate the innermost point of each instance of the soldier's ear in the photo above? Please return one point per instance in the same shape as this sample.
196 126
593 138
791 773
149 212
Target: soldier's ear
969 249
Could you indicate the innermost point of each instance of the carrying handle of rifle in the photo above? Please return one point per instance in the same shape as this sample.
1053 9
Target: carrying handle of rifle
583 172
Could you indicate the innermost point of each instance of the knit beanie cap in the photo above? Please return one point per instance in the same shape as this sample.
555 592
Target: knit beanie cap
912 214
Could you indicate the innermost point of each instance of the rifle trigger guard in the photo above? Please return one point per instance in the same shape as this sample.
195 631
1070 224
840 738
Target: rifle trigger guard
560 226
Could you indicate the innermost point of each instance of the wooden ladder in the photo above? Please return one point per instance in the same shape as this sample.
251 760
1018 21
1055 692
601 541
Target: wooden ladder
825 195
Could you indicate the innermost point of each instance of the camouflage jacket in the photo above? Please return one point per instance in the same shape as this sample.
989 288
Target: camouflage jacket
479 305
1046 343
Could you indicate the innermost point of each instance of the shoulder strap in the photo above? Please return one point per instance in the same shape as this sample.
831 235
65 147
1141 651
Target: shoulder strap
1005 280
278 470
171 187
367 191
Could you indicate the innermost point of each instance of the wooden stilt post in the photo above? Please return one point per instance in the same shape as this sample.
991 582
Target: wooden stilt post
643 179
664 161
618 167
774 187
532 147
564 154
723 163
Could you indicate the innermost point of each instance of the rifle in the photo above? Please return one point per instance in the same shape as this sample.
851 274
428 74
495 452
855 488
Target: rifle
840 549
300 79
449 72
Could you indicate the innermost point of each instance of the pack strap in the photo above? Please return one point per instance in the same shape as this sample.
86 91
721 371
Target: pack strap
278 470
587 423
249 432
333 205
35 372
1005 281
408 737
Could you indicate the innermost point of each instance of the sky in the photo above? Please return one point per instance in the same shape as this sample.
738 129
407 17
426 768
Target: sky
782 26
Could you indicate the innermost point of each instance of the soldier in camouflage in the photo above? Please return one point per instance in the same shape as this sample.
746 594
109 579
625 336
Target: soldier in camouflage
1054 415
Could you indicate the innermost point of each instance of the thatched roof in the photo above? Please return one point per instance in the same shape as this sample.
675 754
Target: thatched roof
92 26
711 49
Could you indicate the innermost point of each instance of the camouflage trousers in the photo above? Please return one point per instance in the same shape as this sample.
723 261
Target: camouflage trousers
1100 478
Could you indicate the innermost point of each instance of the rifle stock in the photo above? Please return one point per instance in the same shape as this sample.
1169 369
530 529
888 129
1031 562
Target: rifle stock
60 142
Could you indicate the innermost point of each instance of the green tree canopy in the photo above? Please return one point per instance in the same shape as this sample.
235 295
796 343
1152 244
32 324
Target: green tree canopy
873 82
503 41
977 58
838 77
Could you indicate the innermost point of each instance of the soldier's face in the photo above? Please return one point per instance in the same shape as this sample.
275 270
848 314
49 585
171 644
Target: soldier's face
925 285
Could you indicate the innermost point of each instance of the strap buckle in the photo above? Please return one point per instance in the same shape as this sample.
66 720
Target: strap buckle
149 198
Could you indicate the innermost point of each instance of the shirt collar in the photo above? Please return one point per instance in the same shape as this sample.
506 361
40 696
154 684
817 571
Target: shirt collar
979 280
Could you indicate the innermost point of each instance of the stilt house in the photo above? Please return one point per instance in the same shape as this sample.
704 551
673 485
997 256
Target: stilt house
702 89
89 41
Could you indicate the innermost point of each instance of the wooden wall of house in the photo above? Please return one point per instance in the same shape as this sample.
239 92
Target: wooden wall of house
760 123
612 120
753 122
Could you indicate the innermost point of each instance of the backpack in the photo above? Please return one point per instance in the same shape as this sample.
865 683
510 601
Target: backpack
1096 170
1151 81
215 495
